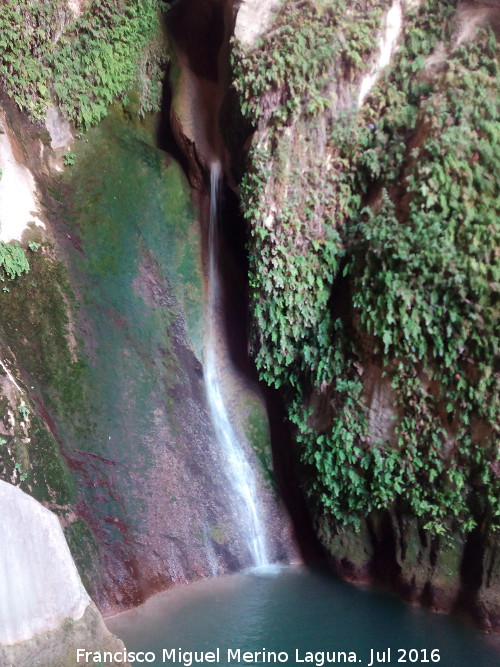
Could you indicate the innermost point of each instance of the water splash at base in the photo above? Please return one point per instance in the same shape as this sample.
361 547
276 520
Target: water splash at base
239 471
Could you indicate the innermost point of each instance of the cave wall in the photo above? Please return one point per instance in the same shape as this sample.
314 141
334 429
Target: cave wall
104 412
375 321
373 284
104 417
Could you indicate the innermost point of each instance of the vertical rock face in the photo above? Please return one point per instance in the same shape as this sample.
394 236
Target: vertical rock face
40 585
200 34
147 506
356 269
103 414
18 198
107 422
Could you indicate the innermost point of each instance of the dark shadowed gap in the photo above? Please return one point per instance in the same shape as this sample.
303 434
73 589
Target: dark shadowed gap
165 136
197 28
234 273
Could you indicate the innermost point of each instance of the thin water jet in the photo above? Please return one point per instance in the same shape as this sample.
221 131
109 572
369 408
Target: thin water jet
239 472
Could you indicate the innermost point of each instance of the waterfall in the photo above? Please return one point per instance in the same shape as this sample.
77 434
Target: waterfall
387 44
238 470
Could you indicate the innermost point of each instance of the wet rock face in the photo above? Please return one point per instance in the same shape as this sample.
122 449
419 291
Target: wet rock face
200 35
451 574
121 387
197 32
153 480
116 436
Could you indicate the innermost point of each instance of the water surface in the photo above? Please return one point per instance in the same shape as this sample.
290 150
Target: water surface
296 609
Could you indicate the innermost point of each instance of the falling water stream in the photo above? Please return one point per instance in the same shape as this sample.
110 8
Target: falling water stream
239 472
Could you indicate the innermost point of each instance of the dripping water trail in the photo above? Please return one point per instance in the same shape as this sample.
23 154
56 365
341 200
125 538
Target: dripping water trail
239 471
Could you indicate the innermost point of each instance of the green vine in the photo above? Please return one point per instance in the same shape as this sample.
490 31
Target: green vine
83 63
380 252
310 46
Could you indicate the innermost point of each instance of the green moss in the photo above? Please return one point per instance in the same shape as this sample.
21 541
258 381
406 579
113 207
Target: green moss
31 458
218 535
256 429
38 331
137 190
49 478
348 545
84 549
4 405
448 564
38 339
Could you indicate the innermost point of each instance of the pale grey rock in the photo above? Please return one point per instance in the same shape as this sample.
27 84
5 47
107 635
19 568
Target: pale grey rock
59 648
40 588
253 19
18 196
58 128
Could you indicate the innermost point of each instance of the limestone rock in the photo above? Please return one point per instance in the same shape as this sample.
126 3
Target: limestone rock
45 612
40 586
58 128
254 17
18 197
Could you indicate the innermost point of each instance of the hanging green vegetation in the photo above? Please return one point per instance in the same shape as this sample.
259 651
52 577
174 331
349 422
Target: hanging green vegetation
381 251
311 45
83 63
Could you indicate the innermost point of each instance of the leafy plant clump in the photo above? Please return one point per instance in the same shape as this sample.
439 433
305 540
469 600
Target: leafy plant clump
380 251
83 63
13 261
311 45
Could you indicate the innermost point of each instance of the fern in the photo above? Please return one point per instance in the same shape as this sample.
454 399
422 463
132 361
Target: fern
13 261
